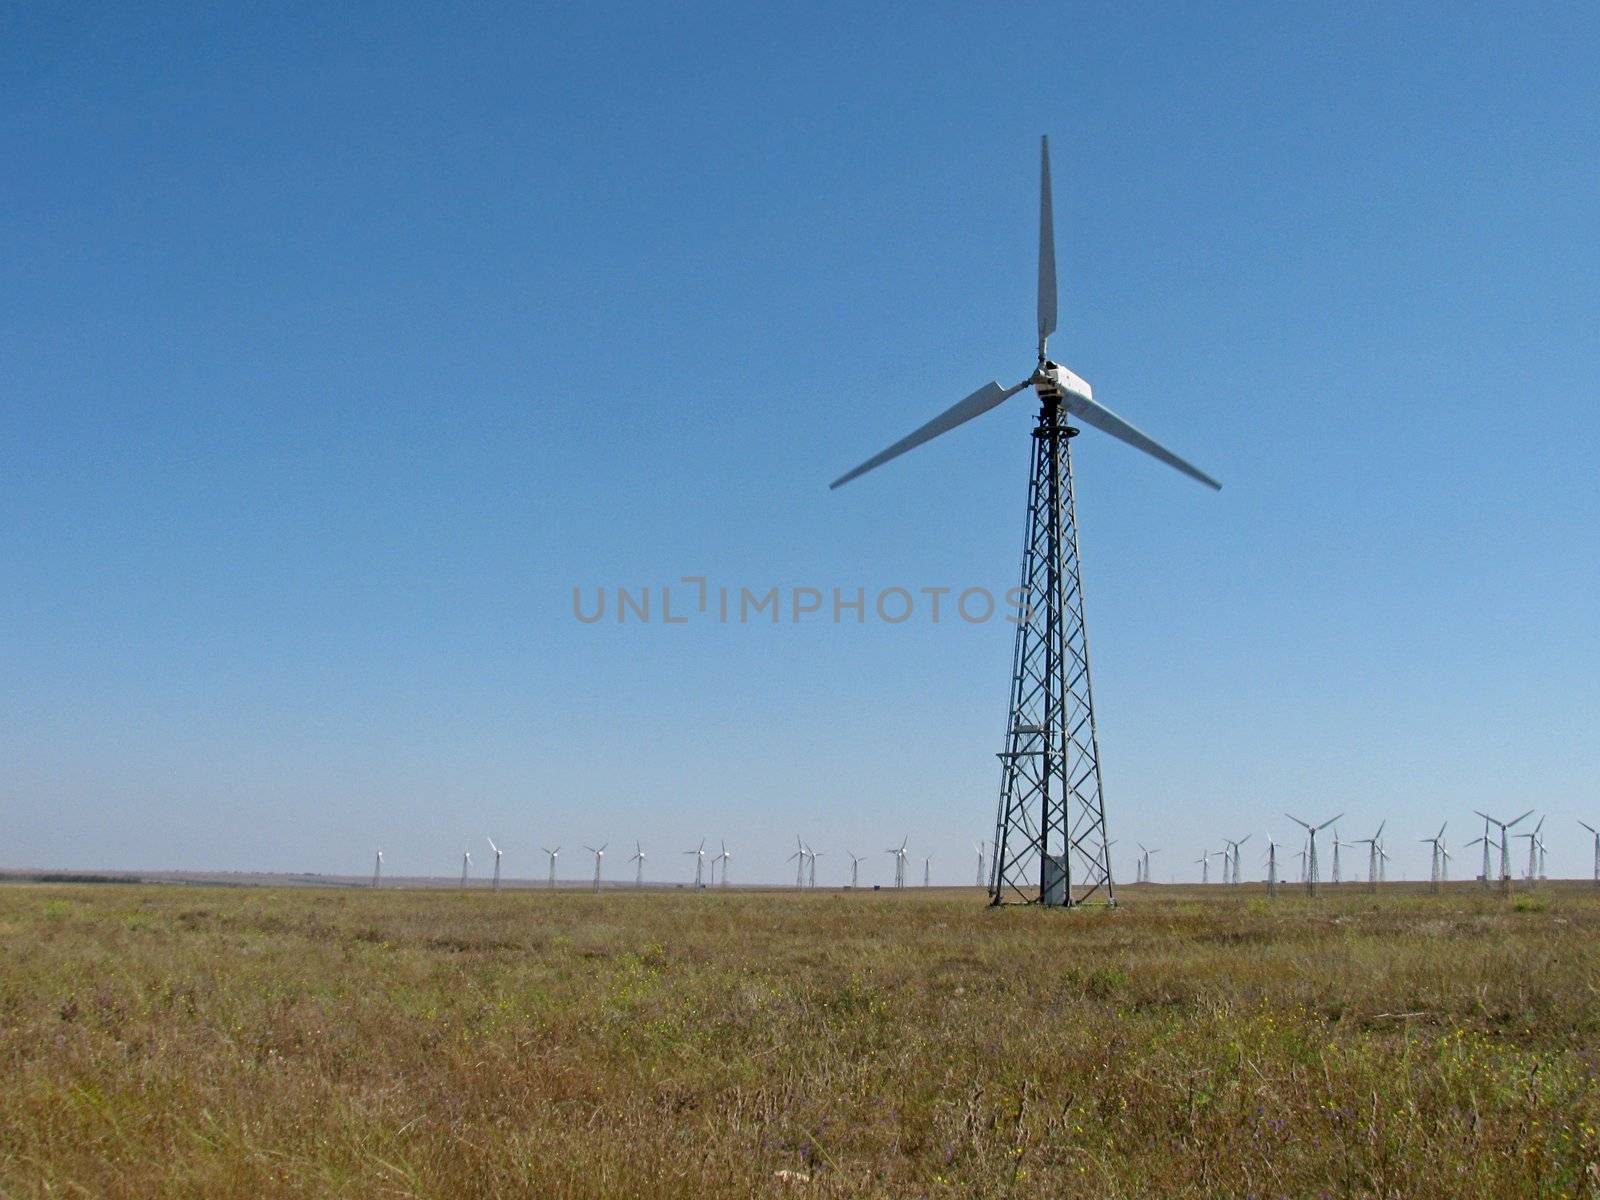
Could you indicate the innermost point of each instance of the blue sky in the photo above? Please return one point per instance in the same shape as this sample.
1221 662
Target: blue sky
337 348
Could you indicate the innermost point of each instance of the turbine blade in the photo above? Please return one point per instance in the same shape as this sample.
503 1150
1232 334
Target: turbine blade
1047 250
1587 826
1523 817
1106 421
981 401
1325 824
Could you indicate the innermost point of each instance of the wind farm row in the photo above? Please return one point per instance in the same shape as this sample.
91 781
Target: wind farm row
1323 856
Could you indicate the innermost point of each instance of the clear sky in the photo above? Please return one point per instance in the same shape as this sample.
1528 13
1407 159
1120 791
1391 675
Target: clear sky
338 345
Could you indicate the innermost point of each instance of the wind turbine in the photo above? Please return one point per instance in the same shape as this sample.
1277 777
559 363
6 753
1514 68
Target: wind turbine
813 855
855 868
1144 861
466 865
1272 866
899 853
699 853
1311 859
1205 865
1050 838
377 869
1533 852
1437 842
1335 878
552 854
1505 845
723 859
927 867
599 859
1235 880
978 846
799 860
638 860
1596 833
1374 849
496 850
1485 841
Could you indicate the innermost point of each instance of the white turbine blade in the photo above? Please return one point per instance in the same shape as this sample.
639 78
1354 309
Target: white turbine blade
1047 250
492 846
980 402
1106 421
1379 834
1523 817
1325 824
1296 820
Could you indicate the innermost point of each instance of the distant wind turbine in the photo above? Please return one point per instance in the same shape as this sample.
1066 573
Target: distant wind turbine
552 854
899 853
377 869
855 869
496 850
1437 866
1505 845
799 859
699 853
1311 860
1596 833
638 858
599 859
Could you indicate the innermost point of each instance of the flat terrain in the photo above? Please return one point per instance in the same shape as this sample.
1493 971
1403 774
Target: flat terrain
160 1041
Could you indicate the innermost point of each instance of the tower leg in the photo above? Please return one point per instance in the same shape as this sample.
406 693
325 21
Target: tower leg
1050 844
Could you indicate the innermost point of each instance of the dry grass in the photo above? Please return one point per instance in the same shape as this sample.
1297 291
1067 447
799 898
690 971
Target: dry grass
216 1043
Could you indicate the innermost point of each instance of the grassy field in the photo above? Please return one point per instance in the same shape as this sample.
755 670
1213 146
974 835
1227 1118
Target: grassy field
254 1042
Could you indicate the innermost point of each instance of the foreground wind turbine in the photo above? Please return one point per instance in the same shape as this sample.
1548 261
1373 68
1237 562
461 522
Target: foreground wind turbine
552 854
1050 844
496 850
599 858
1311 857
377 869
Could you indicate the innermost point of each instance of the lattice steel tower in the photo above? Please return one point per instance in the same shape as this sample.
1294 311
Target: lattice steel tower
1050 831
1050 843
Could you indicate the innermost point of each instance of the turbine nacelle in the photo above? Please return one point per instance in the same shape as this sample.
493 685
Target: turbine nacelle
1052 381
